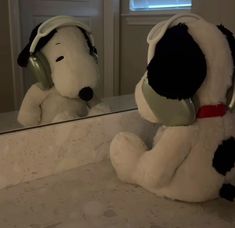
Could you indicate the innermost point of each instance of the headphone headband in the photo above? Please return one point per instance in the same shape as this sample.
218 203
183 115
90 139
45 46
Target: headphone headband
158 31
46 27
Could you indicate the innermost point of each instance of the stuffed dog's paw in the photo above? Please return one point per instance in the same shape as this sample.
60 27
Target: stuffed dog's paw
99 109
125 151
64 116
29 117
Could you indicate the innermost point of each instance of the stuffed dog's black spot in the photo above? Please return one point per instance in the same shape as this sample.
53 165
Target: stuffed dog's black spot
224 157
227 192
230 38
178 67
59 58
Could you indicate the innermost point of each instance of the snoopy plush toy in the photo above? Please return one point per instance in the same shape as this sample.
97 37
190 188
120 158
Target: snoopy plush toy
188 88
62 56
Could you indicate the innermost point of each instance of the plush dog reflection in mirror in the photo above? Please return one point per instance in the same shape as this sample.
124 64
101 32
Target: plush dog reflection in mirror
62 56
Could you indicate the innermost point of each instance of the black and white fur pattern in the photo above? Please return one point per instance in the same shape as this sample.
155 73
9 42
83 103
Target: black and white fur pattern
191 163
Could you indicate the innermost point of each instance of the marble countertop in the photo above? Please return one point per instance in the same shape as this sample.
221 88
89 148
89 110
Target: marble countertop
91 196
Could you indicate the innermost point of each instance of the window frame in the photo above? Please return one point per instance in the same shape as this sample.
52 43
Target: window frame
160 9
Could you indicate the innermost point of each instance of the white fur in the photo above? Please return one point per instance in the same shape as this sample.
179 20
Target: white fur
179 165
219 62
77 70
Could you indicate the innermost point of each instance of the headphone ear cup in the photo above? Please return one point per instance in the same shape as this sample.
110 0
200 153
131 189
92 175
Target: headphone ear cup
230 96
170 112
40 69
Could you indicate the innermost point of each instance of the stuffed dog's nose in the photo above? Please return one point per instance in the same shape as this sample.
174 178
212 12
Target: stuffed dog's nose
86 94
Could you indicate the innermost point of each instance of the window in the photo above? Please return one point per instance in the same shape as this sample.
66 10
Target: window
140 5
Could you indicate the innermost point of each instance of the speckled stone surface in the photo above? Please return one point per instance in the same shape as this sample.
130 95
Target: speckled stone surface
40 152
91 196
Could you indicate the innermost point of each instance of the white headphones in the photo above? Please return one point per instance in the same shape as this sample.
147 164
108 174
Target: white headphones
55 22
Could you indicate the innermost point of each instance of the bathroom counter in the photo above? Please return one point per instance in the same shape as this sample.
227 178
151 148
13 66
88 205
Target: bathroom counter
91 196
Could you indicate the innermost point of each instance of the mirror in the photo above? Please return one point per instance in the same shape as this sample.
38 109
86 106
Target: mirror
120 38
21 89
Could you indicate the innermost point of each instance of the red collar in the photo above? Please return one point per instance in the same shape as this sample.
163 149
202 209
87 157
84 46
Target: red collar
212 111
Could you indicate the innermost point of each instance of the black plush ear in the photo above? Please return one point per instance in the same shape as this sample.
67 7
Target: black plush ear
178 66
24 55
92 49
230 38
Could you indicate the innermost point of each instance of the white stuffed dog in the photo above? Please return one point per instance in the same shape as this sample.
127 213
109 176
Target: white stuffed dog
62 55
190 71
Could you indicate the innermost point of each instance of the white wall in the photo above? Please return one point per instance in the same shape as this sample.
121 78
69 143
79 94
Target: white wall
133 53
6 85
133 45
217 11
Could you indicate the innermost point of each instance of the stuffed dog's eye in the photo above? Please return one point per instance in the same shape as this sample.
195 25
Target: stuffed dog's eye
59 58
